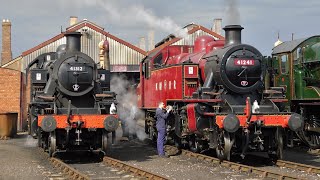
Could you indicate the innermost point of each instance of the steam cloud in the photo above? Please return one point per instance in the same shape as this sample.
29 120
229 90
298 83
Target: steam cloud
232 12
30 142
133 14
127 106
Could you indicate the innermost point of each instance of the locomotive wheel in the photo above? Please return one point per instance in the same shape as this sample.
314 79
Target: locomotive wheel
33 126
39 138
312 139
152 134
311 119
29 121
52 143
194 145
279 145
224 146
104 143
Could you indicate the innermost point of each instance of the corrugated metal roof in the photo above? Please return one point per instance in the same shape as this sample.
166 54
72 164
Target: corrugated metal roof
288 46
82 22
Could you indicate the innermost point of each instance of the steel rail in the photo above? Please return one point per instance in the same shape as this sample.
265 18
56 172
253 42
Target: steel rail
236 166
67 170
129 168
298 166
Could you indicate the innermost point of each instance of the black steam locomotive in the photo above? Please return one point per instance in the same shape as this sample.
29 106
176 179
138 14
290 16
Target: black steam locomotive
71 106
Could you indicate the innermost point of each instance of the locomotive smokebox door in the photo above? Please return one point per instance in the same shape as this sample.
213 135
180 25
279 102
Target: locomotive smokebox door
38 76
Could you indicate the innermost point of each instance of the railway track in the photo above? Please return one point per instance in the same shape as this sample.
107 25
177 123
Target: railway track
69 171
250 169
132 169
298 166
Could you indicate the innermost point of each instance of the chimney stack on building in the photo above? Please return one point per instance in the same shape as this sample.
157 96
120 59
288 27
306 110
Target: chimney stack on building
151 40
142 43
73 20
6 53
217 26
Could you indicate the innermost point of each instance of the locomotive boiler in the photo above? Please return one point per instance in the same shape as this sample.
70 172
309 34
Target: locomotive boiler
217 92
71 106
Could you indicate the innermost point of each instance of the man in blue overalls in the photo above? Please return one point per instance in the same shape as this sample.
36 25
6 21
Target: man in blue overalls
161 127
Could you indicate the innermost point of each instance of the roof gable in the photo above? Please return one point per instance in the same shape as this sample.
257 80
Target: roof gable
194 29
79 26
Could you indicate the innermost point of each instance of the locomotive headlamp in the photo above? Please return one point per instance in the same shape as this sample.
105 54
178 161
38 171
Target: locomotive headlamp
231 123
111 123
48 124
295 122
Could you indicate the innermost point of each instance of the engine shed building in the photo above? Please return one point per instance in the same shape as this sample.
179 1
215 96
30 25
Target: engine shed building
124 57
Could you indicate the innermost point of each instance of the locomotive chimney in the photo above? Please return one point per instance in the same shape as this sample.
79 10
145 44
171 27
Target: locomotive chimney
142 43
151 40
6 53
73 20
217 26
73 41
232 34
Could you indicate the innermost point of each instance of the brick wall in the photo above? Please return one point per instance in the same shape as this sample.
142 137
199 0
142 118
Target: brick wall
12 94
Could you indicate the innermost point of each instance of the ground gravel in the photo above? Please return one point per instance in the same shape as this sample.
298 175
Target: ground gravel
22 160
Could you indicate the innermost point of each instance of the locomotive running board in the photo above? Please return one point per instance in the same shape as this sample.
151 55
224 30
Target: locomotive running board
196 100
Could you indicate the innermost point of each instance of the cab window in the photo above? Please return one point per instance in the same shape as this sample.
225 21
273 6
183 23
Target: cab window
297 55
284 64
157 62
146 69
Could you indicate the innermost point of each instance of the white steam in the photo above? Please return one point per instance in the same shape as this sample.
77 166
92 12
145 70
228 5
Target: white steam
31 142
131 14
127 108
232 12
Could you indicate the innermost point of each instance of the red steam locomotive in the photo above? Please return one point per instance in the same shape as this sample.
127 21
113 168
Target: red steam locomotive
218 97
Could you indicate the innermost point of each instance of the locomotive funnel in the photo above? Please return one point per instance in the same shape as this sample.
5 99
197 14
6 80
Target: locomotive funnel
233 34
73 41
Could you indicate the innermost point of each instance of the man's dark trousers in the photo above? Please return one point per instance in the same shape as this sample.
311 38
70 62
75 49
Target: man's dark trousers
160 141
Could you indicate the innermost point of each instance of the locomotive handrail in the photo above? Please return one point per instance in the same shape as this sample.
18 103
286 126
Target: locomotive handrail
103 95
248 109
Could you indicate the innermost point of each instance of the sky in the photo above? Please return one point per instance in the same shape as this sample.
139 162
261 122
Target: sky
35 21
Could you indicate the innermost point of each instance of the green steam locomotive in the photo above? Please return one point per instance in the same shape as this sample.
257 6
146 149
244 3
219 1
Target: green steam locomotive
295 67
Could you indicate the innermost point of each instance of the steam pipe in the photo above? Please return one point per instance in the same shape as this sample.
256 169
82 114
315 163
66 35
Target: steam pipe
208 81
